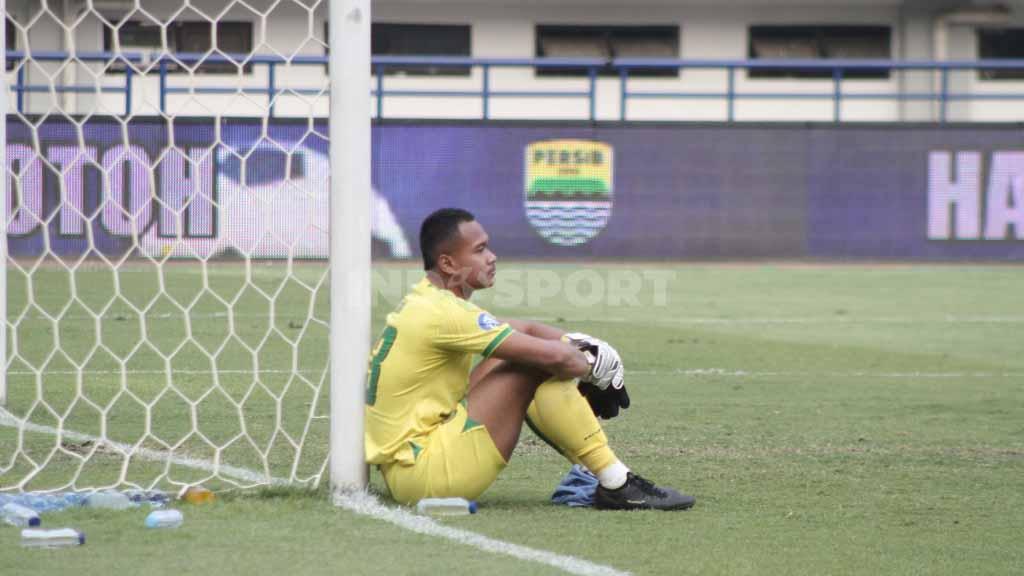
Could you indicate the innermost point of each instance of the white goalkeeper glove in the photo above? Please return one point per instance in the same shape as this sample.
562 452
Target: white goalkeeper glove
605 364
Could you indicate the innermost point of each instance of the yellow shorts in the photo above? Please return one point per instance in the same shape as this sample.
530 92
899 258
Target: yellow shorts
458 458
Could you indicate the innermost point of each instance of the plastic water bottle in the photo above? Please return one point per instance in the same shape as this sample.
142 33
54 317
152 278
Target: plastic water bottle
197 495
109 499
59 538
446 506
44 502
164 519
154 498
18 515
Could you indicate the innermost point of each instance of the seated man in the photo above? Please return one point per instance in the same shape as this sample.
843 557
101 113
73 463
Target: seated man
435 429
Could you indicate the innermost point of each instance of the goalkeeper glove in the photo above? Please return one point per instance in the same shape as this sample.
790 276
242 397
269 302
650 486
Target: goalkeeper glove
604 388
605 365
605 403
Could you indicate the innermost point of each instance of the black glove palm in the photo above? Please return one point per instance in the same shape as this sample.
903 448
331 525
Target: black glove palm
605 403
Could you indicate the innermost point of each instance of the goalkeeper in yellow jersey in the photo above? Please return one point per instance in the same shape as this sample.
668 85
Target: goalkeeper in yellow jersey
437 427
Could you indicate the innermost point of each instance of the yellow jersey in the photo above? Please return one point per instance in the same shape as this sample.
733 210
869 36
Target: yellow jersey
419 369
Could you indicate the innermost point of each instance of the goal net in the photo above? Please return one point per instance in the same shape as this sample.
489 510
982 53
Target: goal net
167 283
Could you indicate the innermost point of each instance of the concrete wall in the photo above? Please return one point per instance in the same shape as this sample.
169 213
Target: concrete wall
505 28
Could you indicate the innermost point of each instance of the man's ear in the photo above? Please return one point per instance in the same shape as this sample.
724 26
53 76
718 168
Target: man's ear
446 265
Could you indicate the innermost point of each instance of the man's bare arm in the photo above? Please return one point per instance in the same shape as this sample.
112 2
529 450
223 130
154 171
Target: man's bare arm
553 356
535 329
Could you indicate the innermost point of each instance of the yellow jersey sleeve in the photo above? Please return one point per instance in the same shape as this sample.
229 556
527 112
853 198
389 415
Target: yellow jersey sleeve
467 328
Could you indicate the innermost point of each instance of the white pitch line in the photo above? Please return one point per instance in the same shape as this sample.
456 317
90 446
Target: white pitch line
12 421
156 372
124 316
361 503
368 505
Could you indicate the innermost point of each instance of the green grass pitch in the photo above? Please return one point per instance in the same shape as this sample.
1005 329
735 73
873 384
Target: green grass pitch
852 419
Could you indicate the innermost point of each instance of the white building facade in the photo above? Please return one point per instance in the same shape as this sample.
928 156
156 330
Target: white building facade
727 32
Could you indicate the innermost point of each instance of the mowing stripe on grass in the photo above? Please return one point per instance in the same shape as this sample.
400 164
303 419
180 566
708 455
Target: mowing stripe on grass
838 319
790 320
691 372
361 503
713 372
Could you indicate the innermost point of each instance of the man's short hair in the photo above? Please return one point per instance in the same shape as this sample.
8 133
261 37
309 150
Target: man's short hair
439 228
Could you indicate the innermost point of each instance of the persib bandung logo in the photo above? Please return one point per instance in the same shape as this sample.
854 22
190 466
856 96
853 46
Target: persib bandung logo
568 189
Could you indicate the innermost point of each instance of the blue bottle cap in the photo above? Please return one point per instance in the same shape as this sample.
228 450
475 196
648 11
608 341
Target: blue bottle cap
472 506
33 522
81 538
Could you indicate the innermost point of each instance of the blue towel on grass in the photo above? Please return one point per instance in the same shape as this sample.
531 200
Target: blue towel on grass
576 488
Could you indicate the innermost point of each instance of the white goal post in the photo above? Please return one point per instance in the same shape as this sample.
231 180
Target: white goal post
186 244
350 237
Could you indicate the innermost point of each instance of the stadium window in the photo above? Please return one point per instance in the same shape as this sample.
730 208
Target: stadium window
388 39
607 43
189 37
11 40
422 40
1000 44
232 38
819 43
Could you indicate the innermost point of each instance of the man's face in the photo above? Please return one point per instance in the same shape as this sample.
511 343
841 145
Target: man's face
473 262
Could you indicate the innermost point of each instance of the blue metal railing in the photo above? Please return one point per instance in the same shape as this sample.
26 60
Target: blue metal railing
837 68
21 88
592 65
132 64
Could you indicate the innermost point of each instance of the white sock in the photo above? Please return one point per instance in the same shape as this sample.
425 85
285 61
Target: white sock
613 476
